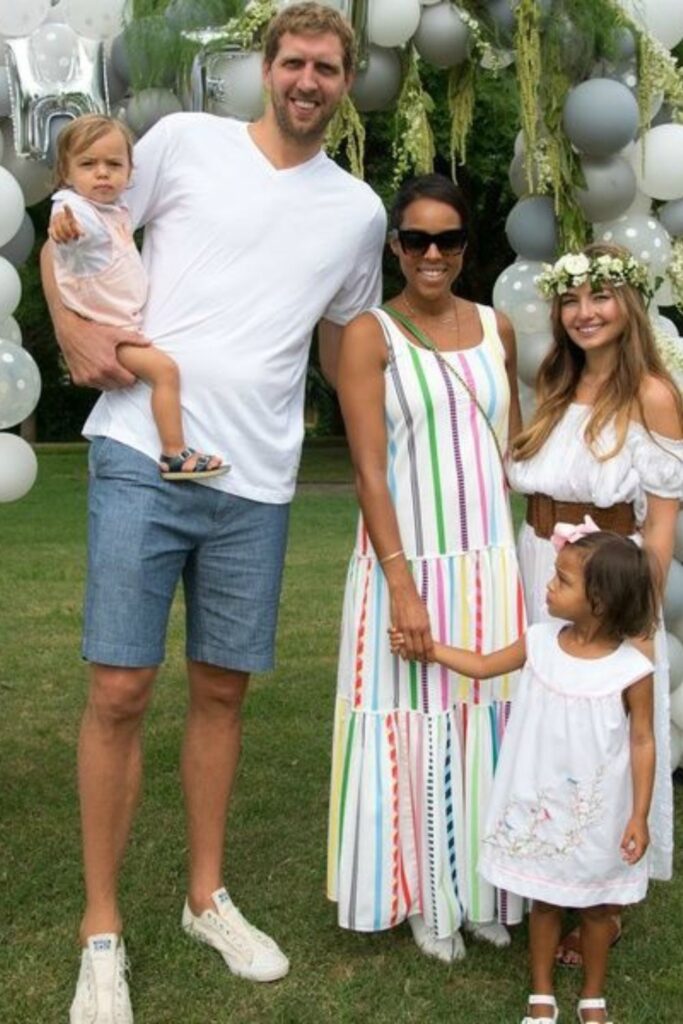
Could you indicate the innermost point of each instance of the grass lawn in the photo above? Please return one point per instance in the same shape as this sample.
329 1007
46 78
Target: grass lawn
276 854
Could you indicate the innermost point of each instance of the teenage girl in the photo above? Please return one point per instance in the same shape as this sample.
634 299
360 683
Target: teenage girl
100 274
567 821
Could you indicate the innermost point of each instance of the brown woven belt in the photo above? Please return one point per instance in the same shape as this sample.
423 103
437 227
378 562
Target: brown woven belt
542 513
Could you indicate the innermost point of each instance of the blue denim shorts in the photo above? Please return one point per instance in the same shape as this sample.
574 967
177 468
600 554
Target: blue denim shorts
145 533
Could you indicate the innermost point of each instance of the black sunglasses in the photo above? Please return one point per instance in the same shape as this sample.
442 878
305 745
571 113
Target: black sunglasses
417 242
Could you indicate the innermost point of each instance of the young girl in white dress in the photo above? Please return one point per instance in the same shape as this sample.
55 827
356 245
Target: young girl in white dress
567 821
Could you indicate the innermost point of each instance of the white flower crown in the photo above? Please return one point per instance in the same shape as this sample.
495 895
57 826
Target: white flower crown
574 269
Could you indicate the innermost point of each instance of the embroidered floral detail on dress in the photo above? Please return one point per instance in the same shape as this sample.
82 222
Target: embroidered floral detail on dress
553 824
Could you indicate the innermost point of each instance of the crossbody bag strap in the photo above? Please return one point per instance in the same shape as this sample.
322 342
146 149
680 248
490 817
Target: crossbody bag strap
427 343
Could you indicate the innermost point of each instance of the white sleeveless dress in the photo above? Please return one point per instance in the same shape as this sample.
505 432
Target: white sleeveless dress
563 795
415 746
567 470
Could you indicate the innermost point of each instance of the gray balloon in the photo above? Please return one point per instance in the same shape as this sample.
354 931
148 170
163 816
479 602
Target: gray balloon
118 58
442 37
18 249
116 88
664 115
5 102
600 116
377 85
148 106
502 14
519 182
531 228
610 188
671 216
673 595
625 44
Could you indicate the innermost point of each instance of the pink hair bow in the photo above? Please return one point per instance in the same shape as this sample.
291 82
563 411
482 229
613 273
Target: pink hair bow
569 533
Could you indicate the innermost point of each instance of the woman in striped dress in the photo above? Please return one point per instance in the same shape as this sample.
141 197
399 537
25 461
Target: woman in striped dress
415 746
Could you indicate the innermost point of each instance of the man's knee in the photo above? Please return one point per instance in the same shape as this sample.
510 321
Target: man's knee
119 695
218 688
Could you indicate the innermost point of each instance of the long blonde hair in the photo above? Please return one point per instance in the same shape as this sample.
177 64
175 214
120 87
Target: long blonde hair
559 374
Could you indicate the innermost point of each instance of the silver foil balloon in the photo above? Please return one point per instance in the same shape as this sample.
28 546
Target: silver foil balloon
45 93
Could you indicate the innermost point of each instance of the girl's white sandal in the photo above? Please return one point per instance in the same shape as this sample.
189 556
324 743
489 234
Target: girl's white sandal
537 1000
590 1004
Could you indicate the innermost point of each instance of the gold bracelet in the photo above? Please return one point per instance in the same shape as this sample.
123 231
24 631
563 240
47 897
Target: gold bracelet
389 558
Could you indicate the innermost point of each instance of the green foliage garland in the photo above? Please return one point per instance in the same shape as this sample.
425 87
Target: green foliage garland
346 128
413 146
529 67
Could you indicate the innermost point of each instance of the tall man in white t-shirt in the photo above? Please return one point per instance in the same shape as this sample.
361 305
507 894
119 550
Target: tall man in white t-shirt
252 236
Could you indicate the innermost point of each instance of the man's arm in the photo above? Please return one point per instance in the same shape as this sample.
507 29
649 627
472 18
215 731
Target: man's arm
89 348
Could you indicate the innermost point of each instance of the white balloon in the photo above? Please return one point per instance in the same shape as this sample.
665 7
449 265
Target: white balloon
10 289
674 649
662 18
20 245
527 401
33 176
676 627
442 37
97 19
661 174
644 236
531 315
21 17
516 285
673 597
377 85
392 22
241 85
664 296
18 467
531 351
11 206
19 384
677 707
10 331
676 748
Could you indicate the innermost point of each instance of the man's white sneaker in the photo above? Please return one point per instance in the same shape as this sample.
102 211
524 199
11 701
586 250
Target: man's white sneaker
247 951
102 989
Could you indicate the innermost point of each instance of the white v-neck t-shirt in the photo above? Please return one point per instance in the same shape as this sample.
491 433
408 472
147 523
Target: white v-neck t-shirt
243 260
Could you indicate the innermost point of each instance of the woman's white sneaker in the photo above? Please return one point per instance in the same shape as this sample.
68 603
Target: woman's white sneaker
247 951
102 989
448 950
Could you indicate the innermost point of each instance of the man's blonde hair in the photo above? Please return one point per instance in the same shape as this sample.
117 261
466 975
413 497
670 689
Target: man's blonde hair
82 133
310 19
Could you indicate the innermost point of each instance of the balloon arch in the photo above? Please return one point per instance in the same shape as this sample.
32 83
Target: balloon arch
599 154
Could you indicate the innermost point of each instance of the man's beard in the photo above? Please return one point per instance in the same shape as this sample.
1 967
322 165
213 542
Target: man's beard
314 132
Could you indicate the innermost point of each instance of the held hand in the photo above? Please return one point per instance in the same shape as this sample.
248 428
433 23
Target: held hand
409 618
635 840
397 642
90 352
64 227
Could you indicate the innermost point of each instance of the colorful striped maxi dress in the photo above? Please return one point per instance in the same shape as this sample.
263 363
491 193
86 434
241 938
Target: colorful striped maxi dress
415 746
